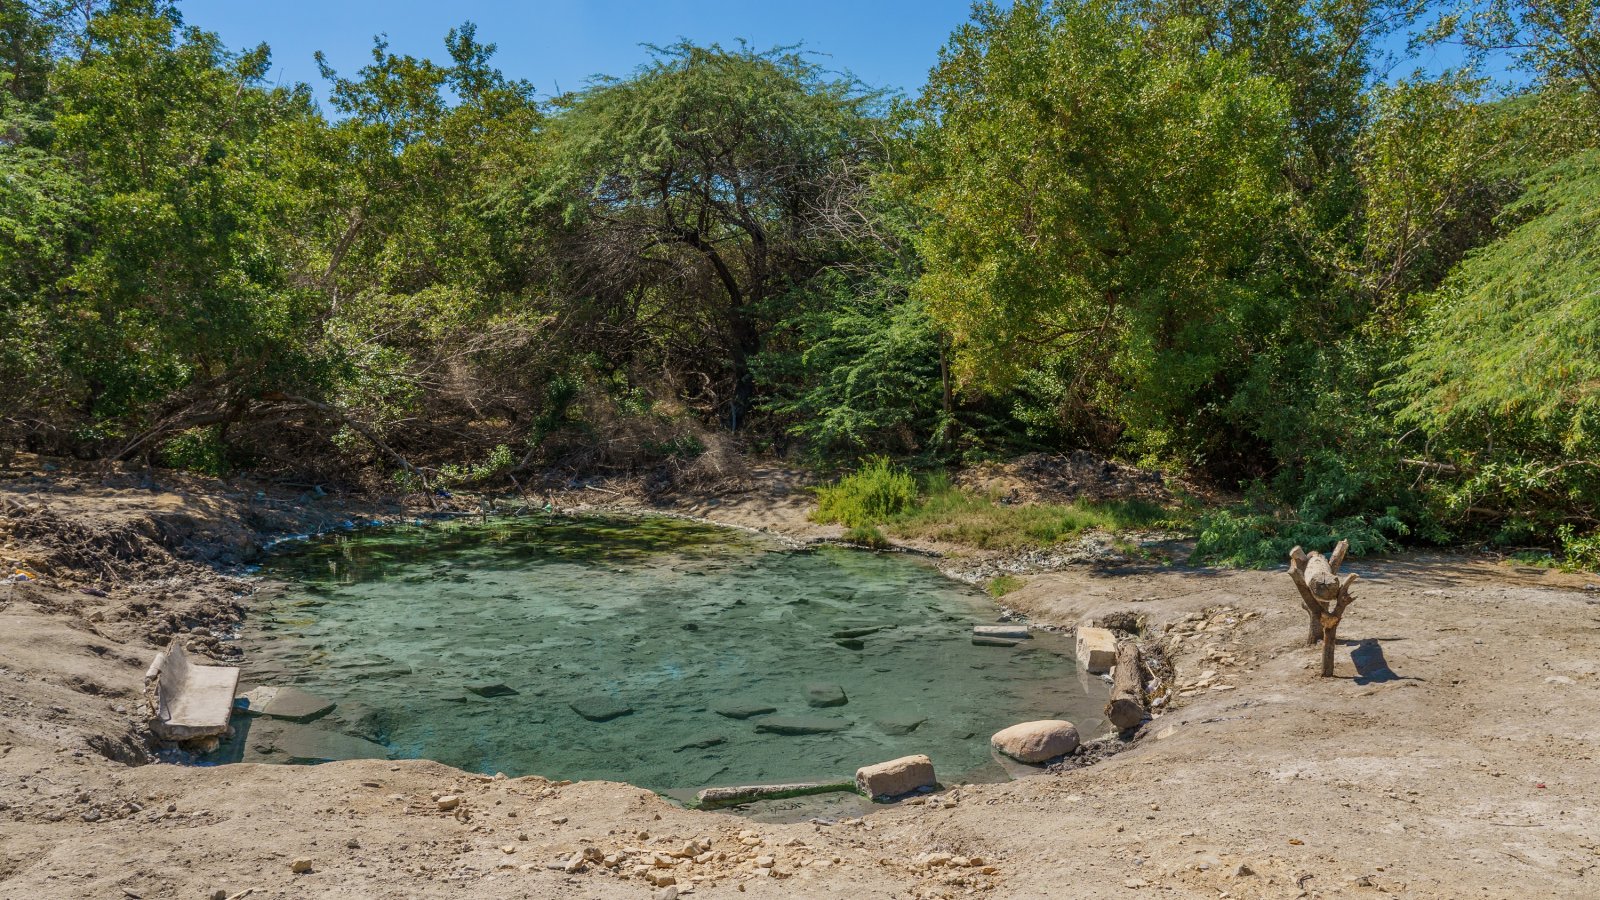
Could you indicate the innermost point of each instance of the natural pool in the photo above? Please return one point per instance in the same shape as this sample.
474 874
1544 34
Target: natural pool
407 629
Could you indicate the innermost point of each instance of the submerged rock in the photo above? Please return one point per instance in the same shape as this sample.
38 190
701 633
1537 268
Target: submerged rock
981 641
825 695
287 703
497 689
858 632
743 710
701 742
902 724
314 745
851 644
600 709
799 725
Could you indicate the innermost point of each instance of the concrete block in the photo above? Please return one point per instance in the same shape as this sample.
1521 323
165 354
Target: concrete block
1097 649
895 777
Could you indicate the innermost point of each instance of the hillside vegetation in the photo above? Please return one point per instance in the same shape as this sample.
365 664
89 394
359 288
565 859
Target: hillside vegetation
1236 240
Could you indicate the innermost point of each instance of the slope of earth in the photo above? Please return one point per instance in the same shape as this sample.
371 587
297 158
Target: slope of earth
1453 755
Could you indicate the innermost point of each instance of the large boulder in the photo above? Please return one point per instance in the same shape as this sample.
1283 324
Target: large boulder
1035 742
895 777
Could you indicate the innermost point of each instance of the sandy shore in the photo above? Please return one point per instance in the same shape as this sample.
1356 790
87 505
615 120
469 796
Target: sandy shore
1452 756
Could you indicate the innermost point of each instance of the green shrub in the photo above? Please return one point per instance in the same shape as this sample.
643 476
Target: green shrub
1002 585
196 450
870 495
1239 537
1579 553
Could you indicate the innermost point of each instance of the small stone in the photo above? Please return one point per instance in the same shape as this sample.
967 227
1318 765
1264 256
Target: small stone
743 710
670 892
660 878
448 802
300 866
353 844
765 862
1243 870
559 820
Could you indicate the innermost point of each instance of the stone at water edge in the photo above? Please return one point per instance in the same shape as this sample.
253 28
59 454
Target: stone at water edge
1013 632
800 725
895 777
1096 649
1036 742
743 710
825 695
600 709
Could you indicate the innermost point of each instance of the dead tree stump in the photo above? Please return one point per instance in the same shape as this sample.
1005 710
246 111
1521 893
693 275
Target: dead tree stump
1126 707
1324 594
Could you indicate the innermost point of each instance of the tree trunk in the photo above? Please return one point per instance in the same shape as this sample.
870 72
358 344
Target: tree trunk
1317 579
1126 707
1329 638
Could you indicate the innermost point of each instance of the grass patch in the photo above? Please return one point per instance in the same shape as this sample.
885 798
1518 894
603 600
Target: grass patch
867 536
1002 585
888 496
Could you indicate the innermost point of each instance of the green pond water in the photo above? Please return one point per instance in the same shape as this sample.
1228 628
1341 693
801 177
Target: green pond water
669 619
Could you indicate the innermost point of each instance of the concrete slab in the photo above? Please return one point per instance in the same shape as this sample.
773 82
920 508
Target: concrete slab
189 701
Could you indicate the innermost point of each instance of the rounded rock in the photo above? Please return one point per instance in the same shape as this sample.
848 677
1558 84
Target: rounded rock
1035 742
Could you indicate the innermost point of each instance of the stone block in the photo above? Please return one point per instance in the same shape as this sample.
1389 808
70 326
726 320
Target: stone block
895 777
1097 649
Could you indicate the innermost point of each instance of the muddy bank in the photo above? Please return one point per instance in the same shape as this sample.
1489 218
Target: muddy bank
1451 755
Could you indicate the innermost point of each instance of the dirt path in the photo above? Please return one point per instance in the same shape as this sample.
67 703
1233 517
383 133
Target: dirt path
1453 756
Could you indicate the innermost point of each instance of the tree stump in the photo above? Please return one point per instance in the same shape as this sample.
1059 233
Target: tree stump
1126 707
1324 594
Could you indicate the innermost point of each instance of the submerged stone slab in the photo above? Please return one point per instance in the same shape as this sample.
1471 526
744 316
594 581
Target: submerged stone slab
799 725
823 695
743 710
901 724
497 689
895 777
858 632
728 796
1013 632
851 644
600 709
288 703
981 641
701 742
309 744
1097 649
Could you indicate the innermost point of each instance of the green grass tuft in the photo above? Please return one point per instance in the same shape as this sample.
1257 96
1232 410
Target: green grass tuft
1002 585
872 494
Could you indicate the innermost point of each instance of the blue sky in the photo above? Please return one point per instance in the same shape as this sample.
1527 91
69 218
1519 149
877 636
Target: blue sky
561 44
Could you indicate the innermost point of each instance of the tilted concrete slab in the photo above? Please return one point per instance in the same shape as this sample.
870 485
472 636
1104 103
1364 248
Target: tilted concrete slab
1097 649
189 701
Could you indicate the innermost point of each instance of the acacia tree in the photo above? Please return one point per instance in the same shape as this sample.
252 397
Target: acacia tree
1098 194
696 185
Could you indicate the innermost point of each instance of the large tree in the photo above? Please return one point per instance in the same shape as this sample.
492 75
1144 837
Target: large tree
1099 193
698 186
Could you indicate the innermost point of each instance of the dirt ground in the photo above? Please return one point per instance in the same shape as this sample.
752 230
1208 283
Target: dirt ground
1452 756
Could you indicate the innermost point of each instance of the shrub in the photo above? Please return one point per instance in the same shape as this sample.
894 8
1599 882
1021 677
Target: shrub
1579 553
1257 540
196 450
1002 585
870 495
867 536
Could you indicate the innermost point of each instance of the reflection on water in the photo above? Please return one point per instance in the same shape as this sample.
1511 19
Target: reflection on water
501 647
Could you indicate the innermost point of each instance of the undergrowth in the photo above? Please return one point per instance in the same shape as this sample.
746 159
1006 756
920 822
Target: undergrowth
885 495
